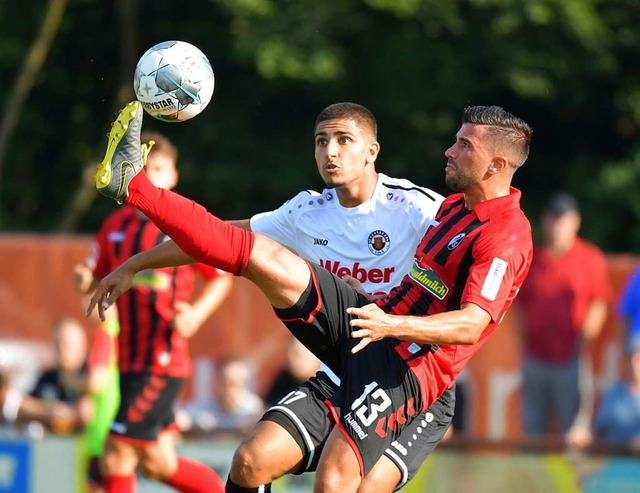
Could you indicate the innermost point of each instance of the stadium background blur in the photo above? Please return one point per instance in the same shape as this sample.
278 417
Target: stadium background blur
569 67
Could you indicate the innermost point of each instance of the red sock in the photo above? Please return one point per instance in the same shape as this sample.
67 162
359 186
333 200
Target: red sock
120 484
194 477
200 234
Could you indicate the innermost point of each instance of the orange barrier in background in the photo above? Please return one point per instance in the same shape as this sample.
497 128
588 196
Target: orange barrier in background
36 290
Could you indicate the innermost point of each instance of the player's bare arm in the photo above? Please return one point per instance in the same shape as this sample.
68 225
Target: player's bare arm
190 316
167 254
462 326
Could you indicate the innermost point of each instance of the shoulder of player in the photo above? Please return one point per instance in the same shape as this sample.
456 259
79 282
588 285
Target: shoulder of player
310 200
403 188
588 248
508 232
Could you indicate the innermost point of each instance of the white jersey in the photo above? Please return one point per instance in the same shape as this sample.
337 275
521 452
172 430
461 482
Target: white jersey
373 242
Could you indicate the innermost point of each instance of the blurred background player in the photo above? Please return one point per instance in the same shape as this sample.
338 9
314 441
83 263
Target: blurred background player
629 307
103 379
563 307
156 320
618 418
234 406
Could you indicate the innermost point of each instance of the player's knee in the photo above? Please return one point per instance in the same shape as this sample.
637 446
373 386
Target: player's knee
333 482
248 464
152 469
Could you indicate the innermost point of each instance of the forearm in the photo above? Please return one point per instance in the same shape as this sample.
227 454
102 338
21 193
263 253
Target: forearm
594 320
455 327
166 254
213 295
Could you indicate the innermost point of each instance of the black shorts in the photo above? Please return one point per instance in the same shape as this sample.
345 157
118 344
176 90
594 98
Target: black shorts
94 474
146 406
304 415
375 401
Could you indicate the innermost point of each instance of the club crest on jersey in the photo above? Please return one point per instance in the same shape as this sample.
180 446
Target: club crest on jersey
328 196
456 240
389 195
429 280
379 242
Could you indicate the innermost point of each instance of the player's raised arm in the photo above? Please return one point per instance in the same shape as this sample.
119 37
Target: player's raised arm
167 254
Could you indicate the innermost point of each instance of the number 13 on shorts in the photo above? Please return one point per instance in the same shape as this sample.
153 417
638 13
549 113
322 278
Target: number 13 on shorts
378 402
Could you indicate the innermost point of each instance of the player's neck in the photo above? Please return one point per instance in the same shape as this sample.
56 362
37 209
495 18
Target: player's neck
356 194
475 196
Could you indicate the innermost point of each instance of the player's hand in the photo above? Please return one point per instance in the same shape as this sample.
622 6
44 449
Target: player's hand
354 283
579 436
373 324
63 418
108 290
82 278
186 321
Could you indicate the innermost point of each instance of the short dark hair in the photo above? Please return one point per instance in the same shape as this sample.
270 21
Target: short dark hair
349 111
559 203
511 130
162 144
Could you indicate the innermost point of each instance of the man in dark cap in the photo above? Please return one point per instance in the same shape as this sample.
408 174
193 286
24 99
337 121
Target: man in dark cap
563 307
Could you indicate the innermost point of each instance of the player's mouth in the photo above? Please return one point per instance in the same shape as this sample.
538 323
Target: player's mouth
331 167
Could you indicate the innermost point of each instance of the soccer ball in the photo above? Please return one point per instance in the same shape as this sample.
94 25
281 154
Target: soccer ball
174 81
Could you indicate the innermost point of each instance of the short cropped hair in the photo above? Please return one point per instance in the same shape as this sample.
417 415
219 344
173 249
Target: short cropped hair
162 144
505 128
349 111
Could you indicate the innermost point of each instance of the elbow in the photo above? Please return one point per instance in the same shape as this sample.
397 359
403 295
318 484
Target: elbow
471 336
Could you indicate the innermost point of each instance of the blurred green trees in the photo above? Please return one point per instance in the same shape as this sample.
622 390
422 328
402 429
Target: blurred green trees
569 67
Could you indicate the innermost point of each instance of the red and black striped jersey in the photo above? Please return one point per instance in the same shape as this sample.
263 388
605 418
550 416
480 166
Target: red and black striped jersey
147 341
478 256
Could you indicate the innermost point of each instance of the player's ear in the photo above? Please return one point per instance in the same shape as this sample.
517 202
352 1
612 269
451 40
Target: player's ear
374 150
498 164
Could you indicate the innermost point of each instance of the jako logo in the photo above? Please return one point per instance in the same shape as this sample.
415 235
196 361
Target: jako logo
320 241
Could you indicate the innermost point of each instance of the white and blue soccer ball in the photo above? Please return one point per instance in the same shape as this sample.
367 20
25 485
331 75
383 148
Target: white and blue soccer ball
173 81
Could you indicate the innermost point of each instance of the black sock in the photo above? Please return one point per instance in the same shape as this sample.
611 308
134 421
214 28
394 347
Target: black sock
231 487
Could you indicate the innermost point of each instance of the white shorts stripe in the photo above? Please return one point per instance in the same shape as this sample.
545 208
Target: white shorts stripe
303 431
397 460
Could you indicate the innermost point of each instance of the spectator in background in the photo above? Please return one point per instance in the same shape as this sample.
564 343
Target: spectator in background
55 402
65 381
300 366
563 307
618 418
234 407
629 306
18 409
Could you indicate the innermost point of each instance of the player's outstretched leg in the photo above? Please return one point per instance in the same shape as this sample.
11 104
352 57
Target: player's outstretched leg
281 275
125 156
